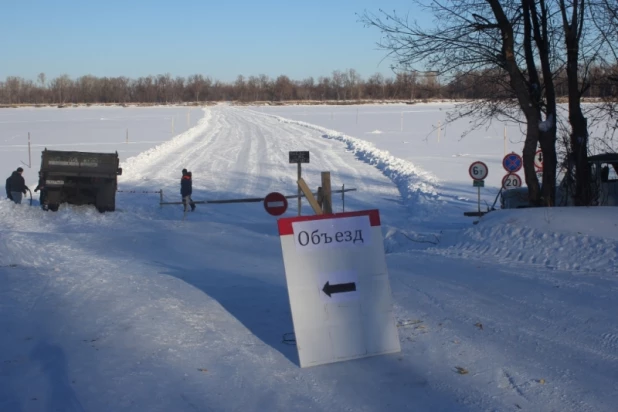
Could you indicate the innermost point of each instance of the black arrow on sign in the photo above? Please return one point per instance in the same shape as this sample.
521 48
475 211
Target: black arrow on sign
339 288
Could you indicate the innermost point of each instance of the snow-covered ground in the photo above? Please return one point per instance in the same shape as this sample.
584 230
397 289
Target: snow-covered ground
129 131
142 310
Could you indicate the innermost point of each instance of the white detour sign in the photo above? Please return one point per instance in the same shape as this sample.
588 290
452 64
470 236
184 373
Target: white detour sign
338 287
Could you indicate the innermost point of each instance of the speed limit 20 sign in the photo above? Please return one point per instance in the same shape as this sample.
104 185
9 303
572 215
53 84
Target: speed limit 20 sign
478 171
511 181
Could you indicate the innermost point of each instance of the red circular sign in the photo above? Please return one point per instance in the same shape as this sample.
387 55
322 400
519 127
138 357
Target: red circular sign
512 162
511 181
538 160
275 203
478 171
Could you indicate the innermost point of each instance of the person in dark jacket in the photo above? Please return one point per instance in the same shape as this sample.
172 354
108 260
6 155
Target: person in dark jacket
17 185
41 187
186 189
7 186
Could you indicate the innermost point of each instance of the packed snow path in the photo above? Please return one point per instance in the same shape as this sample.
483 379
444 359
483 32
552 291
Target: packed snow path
139 310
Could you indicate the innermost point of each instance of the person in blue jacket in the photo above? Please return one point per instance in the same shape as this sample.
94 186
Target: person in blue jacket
186 190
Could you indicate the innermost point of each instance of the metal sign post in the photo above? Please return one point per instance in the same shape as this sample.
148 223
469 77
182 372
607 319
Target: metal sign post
479 184
299 158
478 171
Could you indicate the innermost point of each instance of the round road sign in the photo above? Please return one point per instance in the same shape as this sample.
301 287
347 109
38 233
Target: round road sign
478 171
511 181
275 203
512 162
538 160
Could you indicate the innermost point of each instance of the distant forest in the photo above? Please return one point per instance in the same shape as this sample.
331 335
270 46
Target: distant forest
343 86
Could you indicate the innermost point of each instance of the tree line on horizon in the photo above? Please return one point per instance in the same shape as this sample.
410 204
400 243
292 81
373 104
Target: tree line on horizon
345 85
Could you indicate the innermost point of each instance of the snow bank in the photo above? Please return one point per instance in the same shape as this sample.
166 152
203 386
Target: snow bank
133 166
575 239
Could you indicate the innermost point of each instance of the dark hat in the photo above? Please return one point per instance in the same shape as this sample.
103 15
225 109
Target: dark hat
184 171
19 169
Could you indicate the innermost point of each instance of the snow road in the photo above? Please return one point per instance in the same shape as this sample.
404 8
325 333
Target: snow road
140 310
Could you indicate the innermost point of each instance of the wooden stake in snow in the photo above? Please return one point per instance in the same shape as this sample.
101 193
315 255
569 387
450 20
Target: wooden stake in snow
312 201
29 154
327 199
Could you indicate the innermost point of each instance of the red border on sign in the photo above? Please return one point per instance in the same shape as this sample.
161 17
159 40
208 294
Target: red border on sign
506 176
476 163
285 224
275 211
521 163
535 165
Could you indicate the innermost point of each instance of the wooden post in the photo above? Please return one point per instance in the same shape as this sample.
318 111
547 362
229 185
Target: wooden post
161 198
343 196
299 199
320 197
305 189
127 136
327 194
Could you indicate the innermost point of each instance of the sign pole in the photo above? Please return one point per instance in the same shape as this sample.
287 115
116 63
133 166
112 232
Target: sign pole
479 188
299 200
298 158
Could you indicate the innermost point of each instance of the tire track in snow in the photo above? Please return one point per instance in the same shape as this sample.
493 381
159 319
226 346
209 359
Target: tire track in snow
418 188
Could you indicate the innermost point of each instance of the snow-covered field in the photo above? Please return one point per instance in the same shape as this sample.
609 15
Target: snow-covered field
142 310
129 131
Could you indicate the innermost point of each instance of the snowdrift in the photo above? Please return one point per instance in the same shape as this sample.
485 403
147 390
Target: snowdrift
575 239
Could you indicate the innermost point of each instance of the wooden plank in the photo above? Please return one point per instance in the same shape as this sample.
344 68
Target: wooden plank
320 196
305 189
327 194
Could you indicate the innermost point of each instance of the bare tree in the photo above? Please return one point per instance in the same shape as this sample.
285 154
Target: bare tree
491 37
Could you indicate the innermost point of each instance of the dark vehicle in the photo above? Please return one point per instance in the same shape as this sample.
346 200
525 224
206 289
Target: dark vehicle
603 170
80 178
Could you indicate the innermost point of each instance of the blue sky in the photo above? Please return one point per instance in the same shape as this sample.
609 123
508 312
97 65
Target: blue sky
221 39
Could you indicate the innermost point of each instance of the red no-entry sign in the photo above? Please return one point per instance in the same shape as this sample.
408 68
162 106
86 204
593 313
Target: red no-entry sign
275 203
